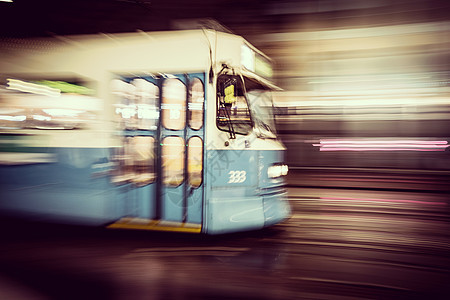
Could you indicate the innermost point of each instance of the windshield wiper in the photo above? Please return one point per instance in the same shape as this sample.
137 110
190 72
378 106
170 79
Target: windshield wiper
228 118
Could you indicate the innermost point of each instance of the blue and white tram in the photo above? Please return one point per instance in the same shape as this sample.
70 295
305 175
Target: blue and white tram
162 131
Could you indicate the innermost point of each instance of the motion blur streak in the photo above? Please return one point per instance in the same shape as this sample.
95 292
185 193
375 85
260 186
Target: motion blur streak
364 88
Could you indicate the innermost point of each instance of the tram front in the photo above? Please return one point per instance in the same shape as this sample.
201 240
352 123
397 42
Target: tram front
245 159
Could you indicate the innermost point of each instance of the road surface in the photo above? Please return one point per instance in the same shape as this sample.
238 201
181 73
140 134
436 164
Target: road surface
338 244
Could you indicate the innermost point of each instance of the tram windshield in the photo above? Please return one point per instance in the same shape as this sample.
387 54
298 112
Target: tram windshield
233 113
243 105
261 106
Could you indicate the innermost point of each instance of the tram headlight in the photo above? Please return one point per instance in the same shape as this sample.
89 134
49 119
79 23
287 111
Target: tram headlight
277 171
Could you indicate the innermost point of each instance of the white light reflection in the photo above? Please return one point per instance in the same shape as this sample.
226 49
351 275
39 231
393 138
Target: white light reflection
61 112
28 87
127 112
41 118
13 118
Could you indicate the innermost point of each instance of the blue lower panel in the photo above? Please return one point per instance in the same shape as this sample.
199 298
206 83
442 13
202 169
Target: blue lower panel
69 189
145 195
276 209
172 206
134 201
60 204
194 209
234 214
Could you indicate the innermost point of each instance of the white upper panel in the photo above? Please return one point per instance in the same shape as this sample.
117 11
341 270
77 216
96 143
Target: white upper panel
140 52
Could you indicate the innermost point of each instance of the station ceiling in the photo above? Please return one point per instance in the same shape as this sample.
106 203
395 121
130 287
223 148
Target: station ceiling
53 17
56 17
329 40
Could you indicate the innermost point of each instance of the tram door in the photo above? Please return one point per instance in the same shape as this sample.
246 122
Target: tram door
161 167
182 105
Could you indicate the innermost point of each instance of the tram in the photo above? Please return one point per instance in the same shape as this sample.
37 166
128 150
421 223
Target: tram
168 131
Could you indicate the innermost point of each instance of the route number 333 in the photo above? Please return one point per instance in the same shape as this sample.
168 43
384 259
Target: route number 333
237 176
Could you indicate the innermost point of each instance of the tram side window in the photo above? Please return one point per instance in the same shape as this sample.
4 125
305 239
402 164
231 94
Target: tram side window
195 161
48 104
196 102
125 108
233 113
146 95
135 161
143 160
123 172
136 104
173 104
173 152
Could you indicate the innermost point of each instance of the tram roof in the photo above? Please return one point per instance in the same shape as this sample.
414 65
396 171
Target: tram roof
136 53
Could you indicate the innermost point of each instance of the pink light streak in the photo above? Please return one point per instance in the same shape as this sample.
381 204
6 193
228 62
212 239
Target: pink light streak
382 200
381 145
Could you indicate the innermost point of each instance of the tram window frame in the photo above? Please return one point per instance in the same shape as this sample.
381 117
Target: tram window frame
192 106
235 94
168 104
190 173
181 155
